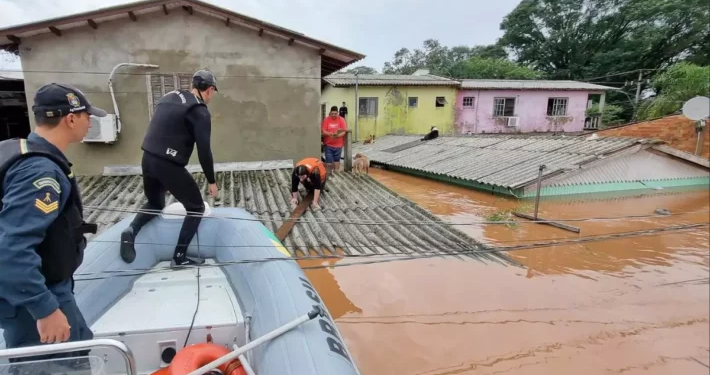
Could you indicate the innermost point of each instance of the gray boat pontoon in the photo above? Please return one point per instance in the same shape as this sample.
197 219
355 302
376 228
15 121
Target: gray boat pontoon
254 304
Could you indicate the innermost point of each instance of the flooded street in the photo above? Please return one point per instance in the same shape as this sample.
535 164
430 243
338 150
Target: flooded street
626 306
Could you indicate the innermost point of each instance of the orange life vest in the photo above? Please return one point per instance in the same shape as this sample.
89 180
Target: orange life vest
312 163
195 356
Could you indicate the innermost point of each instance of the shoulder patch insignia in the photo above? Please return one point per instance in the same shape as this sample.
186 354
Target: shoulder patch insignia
47 182
46 201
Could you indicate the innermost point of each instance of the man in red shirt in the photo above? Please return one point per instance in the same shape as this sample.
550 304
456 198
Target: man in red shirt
333 130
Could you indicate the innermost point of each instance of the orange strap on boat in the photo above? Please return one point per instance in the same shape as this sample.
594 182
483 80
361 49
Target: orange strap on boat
195 356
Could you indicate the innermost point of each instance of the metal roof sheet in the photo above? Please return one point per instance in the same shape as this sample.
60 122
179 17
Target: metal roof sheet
640 166
504 84
347 206
346 79
506 161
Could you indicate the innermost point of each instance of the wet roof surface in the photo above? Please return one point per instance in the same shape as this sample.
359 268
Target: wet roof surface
508 161
350 202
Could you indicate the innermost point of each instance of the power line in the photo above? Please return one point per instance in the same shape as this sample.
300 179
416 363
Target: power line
704 279
334 220
279 77
466 248
401 257
172 73
619 74
197 306
160 74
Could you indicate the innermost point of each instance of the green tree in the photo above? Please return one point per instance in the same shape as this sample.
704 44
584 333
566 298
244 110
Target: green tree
577 39
674 87
612 113
361 70
405 62
490 68
458 62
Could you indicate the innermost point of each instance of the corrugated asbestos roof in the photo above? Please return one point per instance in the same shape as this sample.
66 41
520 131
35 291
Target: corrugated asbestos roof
342 79
266 194
504 84
503 161
640 166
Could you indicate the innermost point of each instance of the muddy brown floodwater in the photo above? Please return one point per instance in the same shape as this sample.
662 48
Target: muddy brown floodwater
627 306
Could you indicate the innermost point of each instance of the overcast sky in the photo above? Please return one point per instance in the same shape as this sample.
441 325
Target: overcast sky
375 28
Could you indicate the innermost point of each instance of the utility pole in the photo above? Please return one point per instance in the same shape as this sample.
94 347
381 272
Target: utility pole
638 88
357 107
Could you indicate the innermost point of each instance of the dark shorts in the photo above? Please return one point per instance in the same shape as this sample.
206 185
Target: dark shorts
332 154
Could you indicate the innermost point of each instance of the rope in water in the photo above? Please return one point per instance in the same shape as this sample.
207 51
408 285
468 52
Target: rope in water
334 220
402 257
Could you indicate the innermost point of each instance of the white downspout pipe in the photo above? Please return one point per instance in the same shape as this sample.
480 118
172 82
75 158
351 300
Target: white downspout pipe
110 88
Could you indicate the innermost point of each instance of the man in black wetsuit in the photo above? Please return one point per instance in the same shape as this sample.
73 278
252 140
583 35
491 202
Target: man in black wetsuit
181 120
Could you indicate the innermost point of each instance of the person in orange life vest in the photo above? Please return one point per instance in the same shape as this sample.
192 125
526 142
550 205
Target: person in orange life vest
333 129
312 174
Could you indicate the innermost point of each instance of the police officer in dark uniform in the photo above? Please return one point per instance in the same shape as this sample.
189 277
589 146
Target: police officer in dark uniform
41 225
181 120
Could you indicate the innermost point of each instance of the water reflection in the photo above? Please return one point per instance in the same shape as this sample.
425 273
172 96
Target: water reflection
327 286
628 306
461 205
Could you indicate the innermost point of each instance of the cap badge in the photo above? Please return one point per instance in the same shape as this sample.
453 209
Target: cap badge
73 100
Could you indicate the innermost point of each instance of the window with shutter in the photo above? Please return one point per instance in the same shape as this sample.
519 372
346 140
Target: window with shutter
185 80
161 84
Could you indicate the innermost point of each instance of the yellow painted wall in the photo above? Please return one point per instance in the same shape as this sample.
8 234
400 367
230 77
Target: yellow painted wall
393 113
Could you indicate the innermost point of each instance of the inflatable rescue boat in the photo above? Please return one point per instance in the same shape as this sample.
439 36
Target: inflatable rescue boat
248 310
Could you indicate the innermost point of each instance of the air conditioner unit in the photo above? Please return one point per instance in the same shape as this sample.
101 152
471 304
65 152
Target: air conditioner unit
512 122
101 130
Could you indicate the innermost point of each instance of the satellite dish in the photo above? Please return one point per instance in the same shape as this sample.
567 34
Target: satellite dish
697 108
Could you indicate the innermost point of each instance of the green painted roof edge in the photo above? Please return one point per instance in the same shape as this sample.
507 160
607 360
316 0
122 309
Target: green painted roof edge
695 182
552 191
517 193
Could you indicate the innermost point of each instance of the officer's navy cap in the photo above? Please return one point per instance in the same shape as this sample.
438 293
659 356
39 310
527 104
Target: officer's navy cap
57 100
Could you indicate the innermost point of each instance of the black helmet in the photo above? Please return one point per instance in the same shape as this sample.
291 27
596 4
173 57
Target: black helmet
203 79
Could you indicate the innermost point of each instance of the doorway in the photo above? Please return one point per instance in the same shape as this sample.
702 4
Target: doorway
14 117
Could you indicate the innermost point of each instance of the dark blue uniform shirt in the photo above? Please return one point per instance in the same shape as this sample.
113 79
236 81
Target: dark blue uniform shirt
35 191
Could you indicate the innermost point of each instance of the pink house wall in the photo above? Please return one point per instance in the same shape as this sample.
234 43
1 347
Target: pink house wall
530 108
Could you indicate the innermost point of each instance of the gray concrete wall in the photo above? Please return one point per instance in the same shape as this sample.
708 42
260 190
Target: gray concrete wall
253 118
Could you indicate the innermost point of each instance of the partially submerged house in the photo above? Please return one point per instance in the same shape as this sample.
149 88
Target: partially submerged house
411 104
268 77
509 164
525 106
399 104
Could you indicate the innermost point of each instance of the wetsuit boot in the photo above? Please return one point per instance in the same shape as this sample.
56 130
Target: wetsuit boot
181 259
128 249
